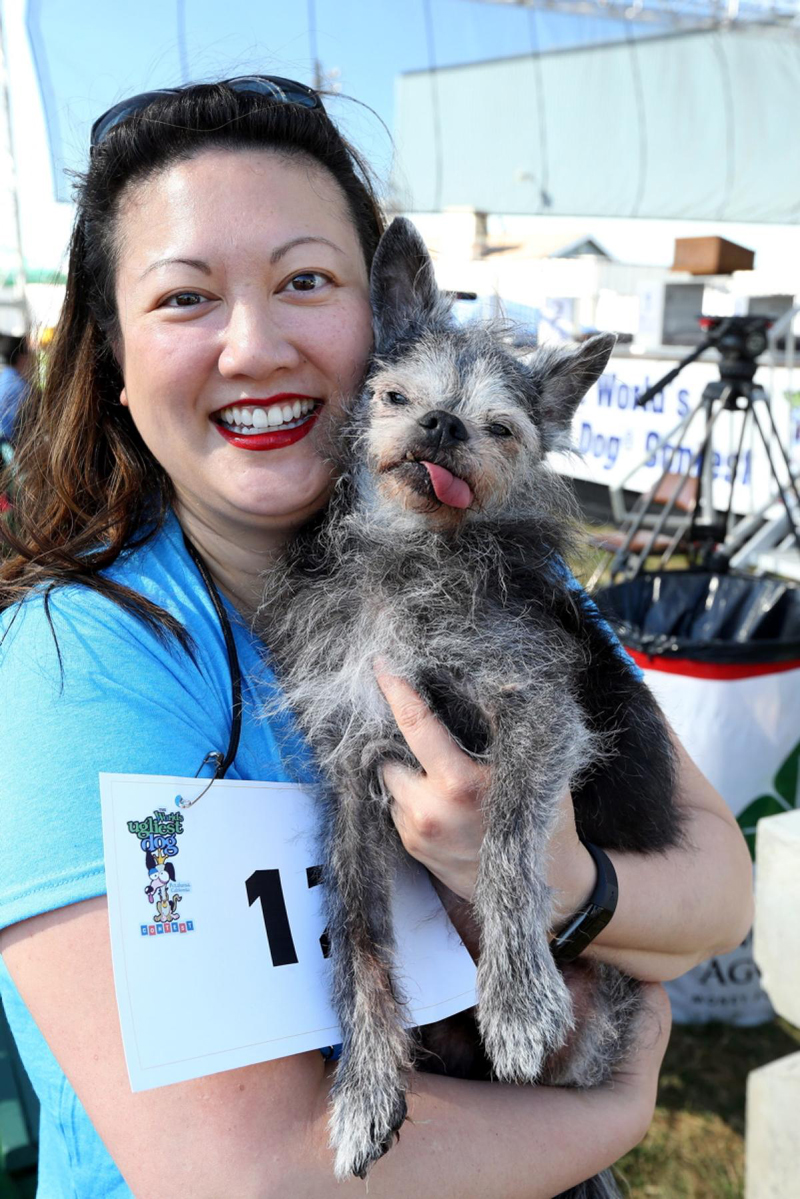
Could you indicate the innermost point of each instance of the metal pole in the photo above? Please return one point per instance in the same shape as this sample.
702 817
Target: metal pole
735 471
707 466
5 100
312 38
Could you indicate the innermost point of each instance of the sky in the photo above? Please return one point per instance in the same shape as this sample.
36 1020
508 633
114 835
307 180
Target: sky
87 54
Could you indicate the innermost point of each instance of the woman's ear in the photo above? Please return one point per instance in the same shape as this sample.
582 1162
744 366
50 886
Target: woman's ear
123 398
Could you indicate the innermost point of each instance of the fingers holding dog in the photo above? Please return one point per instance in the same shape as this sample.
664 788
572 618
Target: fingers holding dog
426 737
437 812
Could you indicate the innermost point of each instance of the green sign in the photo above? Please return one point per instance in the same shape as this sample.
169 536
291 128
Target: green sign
784 799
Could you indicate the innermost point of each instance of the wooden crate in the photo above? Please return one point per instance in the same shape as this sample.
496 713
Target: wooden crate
711 256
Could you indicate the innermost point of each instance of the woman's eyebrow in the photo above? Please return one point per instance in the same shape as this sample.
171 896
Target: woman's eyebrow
195 262
279 251
274 257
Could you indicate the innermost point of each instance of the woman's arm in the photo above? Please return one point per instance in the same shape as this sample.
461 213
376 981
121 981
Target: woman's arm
261 1132
678 908
675 908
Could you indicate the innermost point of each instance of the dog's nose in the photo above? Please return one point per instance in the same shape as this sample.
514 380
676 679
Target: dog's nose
443 428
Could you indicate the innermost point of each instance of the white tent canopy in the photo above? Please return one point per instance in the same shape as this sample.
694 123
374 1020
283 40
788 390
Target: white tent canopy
700 125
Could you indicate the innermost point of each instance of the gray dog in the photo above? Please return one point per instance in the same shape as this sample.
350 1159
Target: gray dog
442 554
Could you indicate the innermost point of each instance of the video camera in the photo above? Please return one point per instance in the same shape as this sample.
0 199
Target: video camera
740 340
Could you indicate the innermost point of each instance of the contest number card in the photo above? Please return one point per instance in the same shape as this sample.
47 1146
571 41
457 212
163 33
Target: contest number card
217 929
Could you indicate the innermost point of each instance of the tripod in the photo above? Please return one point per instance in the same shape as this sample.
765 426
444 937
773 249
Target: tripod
704 530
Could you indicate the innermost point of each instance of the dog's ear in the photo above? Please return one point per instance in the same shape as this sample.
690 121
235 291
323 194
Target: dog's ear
560 378
403 287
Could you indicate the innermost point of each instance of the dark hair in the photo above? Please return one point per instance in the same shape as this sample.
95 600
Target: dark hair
86 486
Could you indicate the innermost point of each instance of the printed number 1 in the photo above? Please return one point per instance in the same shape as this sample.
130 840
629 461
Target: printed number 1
266 886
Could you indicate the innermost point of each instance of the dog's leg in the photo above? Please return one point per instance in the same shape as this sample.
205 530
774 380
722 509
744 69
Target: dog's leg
606 1004
602 1186
368 1102
524 1007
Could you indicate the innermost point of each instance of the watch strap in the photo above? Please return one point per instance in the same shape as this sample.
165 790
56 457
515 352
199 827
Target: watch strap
595 914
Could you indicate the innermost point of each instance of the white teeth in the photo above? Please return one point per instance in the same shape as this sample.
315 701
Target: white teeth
255 419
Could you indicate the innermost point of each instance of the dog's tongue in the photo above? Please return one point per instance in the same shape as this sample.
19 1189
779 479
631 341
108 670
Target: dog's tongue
449 488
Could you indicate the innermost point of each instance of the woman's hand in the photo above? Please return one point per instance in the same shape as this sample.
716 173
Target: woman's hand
439 815
438 811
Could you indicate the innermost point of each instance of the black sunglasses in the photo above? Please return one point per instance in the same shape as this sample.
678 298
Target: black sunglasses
275 88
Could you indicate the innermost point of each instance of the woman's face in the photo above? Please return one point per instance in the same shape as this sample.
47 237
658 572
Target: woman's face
243 301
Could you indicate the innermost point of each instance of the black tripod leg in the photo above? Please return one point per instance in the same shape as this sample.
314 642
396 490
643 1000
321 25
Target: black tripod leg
779 485
735 468
667 511
642 505
705 489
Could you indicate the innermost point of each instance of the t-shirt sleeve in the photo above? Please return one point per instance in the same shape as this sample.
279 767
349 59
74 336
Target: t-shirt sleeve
85 687
602 624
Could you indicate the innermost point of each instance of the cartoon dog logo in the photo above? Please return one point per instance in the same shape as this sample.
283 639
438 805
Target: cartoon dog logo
161 874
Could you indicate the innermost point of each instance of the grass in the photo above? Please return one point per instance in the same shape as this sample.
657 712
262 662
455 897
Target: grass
695 1146
590 558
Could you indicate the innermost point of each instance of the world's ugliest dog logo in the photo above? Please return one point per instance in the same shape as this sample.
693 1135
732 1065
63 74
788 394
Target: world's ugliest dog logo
158 839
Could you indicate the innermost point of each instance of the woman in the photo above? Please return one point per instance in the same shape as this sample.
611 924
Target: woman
219 265
14 382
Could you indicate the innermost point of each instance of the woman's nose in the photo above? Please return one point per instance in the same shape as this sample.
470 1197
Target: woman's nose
255 344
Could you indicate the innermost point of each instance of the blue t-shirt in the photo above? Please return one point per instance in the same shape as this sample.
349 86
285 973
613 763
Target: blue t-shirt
125 702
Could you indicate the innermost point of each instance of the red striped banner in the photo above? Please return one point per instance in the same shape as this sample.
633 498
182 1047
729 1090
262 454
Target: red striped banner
709 670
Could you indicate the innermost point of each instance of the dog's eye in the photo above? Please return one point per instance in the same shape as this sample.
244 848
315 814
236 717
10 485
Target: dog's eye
498 430
394 397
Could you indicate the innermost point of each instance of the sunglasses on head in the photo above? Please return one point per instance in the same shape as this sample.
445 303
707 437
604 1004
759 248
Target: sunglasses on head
273 87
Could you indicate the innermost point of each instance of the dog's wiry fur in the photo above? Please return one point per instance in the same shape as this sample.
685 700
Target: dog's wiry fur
474 608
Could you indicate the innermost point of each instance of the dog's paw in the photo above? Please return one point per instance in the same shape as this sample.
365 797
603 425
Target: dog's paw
520 1026
514 1047
364 1125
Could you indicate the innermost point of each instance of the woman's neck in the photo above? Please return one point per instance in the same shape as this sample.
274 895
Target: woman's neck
235 555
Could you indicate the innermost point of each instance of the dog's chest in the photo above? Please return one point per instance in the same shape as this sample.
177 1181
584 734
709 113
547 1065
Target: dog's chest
443 629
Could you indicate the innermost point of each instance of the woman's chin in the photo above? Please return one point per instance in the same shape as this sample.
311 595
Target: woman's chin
284 505
274 491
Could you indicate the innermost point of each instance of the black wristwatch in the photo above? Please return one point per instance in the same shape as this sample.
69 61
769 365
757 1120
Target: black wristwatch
594 915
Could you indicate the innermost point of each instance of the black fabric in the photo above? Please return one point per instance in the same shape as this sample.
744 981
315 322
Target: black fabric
233 662
706 617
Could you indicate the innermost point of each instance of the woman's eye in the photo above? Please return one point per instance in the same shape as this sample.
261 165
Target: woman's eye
395 397
184 299
307 281
498 430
